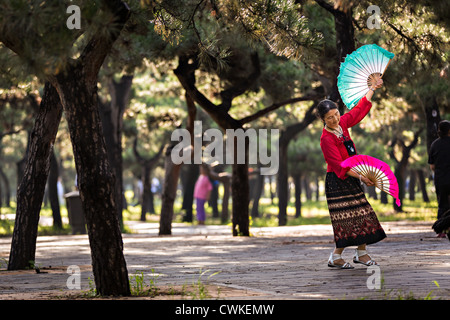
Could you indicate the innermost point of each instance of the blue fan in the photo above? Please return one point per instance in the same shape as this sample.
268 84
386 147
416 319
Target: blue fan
360 71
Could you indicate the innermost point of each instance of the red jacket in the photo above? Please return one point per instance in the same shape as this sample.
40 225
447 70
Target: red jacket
333 148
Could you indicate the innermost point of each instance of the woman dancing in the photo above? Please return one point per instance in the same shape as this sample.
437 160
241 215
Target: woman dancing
352 217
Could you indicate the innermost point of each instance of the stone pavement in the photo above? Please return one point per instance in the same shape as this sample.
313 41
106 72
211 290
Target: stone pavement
275 263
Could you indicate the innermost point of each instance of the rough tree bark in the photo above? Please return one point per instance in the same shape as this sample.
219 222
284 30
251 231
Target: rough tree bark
240 196
52 184
112 122
32 186
96 181
297 177
193 169
77 89
169 191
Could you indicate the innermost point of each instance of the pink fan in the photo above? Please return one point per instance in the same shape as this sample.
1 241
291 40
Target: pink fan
376 171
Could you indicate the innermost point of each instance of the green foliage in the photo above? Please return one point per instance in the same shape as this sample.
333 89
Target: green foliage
200 290
279 24
139 287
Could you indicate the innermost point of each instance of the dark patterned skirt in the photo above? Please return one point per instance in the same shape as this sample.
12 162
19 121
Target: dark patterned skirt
352 217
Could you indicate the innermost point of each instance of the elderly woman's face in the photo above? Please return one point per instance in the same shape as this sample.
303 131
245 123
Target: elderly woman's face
332 118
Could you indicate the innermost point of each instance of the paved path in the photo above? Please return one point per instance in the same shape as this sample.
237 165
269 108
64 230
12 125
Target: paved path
275 263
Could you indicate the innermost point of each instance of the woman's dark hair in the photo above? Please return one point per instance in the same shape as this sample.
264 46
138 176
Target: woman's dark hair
444 128
324 106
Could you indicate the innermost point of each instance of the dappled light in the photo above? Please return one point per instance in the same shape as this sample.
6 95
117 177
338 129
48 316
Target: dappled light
224 149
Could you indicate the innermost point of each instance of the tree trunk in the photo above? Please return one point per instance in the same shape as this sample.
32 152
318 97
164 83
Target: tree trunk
423 185
282 182
400 174
191 174
22 163
52 184
147 191
240 192
317 189
412 185
372 192
259 185
96 181
7 189
213 199
240 196
32 186
226 197
272 193
383 197
307 185
298 194
112 123
169 192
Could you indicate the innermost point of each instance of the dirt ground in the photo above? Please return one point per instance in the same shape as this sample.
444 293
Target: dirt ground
199 262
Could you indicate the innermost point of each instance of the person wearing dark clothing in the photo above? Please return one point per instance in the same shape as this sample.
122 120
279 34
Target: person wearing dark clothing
439 161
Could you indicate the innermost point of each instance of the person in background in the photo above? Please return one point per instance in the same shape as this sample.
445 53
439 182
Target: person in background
439 161
202 191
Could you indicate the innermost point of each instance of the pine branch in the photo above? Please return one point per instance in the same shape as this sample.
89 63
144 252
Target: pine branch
275 106
404 36
99 46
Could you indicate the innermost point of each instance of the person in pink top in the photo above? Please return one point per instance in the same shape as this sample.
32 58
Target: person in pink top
202 191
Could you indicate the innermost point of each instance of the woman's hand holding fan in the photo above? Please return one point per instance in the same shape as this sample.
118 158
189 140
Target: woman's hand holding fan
376 171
